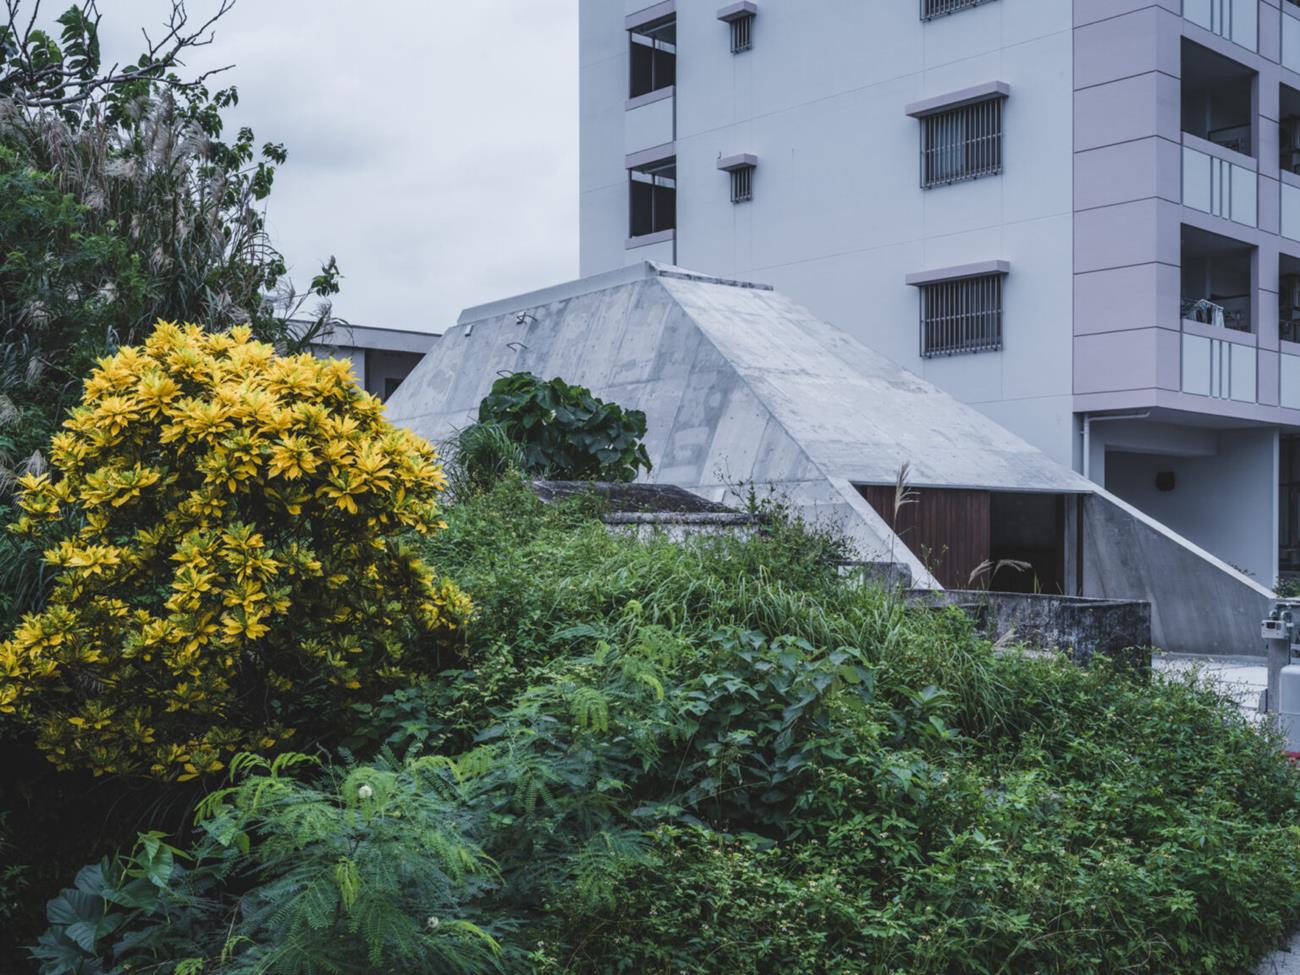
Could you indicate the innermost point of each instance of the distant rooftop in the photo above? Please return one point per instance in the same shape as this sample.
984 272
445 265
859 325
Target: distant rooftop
349 336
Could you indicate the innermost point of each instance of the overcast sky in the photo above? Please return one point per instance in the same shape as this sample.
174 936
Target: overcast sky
433 145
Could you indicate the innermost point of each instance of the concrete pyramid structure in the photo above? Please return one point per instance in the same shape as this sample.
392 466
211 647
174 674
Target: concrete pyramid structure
742 386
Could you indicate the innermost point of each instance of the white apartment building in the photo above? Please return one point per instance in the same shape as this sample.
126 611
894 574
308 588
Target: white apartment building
1080 216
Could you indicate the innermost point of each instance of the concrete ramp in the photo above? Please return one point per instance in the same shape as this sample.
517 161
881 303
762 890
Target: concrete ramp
742 386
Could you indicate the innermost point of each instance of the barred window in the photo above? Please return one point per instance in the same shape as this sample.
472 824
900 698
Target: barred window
742 184
742 34
964 315
961 143
930 9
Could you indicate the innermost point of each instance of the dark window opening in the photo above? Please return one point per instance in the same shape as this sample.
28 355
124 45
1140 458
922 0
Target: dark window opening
1217 99
1288 298
653 193
961 143
1215 276
654 57
961 316
1289 498
1289 130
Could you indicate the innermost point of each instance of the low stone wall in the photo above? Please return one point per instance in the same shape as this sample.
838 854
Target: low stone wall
679 527
1083 628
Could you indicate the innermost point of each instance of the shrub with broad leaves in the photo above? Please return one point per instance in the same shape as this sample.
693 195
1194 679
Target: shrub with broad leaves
225 528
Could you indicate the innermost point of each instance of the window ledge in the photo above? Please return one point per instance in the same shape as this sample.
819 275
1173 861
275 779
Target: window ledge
647 157
650 14
745 160
957 99
646 240
735 11
1208 148
650 97
958 272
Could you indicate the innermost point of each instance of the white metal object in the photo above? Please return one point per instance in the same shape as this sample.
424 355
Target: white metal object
1288 717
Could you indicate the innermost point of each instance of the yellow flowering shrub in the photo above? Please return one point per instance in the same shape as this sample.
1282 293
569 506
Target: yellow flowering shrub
223 527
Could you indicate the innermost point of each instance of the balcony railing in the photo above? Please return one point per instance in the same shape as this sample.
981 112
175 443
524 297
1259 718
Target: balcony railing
1218 187
1231 313
1291 36
1288 329
1220 369
1236 20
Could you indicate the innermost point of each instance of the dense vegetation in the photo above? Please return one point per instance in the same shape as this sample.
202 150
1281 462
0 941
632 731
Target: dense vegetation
719 757
224 529
552 430
124 198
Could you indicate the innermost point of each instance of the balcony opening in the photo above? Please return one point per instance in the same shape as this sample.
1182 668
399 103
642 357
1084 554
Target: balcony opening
654 56
653 198
1216 289
1289 130
1217 99
1288 298
1289 499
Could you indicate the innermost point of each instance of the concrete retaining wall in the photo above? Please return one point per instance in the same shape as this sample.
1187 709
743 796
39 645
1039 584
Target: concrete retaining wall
1198 603
1083 628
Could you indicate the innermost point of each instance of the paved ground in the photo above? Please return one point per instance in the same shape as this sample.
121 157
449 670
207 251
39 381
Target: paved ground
1243 678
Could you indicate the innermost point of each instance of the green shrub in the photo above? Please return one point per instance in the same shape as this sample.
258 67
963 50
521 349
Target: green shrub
225 527
367 870
561 432
722 757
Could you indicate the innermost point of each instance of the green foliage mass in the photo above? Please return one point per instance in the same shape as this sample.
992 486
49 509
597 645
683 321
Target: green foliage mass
553 430
124 199
723 757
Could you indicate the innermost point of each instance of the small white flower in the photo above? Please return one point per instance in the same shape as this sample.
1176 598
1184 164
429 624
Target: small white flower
433 923
365 792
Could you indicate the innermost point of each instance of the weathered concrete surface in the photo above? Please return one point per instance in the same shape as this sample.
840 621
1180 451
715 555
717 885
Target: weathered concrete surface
1198 603
1284 962
634 497
742 386
1082 628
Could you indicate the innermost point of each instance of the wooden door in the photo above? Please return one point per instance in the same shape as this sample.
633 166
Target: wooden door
948 530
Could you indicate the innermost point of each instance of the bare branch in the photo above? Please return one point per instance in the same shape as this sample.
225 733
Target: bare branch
30 87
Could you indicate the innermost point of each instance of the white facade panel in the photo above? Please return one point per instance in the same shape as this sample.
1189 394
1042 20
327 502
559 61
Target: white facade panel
1290 382
1290 211
649 126
1290 40
1196 365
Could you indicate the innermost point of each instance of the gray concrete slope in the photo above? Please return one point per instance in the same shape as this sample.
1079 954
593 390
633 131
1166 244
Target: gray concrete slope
742 386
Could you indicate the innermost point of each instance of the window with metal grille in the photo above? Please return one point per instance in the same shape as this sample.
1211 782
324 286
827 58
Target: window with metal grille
742 184
654 57
961 143
742 34
930 9
959 316
653 198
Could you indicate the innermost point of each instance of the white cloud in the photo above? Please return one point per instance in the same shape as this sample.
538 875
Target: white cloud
433 145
